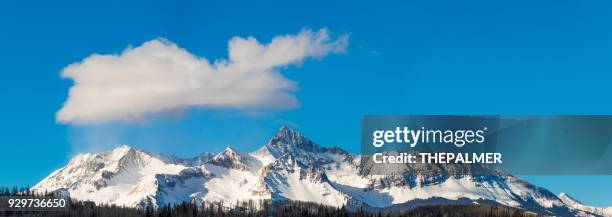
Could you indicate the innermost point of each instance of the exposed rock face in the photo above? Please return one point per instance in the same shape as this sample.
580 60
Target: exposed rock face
230 159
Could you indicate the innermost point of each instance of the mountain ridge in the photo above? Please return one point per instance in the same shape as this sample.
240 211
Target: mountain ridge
289 166
577 205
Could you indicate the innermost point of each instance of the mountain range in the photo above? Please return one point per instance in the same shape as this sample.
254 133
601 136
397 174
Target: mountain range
290 167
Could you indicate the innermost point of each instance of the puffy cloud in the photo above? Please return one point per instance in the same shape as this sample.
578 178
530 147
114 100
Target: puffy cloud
158 76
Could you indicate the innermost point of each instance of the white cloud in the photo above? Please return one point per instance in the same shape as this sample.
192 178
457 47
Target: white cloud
158 76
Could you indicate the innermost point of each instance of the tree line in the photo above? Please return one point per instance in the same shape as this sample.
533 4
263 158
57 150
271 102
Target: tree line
260 208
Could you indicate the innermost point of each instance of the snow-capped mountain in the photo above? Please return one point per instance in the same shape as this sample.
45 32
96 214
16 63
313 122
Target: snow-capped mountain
587 210
289 166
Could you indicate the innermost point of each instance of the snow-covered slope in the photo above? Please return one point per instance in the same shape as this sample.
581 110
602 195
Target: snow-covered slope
577 205
289 166
123 176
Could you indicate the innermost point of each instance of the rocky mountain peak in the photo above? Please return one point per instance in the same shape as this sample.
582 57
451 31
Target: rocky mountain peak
229 154
288 135
121 152
229 151
229 158
287 140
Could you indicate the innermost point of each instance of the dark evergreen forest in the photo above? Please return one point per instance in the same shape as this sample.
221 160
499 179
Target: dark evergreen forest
263 208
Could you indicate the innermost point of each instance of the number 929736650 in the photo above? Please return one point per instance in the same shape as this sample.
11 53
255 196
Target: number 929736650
32 203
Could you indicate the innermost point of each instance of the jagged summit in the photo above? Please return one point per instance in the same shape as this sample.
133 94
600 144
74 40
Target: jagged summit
287 140
288 136
228 152
229 158
123 150
229 149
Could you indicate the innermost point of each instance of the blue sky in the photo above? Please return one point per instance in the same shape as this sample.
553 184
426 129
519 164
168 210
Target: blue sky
421 57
